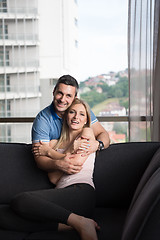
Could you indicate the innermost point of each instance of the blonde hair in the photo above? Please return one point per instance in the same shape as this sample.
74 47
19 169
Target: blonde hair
65 128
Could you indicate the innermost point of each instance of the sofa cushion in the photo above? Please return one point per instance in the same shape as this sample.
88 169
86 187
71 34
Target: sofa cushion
9 220
110 220
12 235
19 171
50 235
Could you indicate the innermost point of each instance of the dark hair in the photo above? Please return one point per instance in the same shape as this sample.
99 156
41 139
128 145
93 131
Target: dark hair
67 80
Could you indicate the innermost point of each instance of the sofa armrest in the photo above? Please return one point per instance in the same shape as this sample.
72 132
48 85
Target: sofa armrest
143 222
152 167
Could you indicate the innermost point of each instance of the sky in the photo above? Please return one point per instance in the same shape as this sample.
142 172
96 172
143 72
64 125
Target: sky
102 36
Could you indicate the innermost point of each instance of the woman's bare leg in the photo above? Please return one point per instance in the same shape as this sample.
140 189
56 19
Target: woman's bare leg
84 226
64 227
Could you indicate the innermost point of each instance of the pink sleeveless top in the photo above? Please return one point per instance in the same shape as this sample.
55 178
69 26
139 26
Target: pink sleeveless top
84 176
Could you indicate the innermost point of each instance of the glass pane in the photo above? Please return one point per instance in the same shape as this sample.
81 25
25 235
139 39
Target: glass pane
21 132
15 132
103 61
140 131
118 131
102 43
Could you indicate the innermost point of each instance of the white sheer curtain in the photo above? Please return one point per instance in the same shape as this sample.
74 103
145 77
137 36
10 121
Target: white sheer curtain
140 65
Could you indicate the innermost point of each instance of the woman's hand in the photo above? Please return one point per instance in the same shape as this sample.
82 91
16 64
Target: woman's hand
85 146
41 149
80 145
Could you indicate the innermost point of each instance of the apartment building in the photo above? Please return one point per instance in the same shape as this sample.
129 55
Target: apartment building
58 35
38 44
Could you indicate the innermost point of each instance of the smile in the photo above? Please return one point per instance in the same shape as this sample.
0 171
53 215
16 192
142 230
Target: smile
62 104
74 122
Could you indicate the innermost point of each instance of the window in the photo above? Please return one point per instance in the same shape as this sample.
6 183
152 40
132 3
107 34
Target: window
8 108
2 83
103 61
8 87
6 31
1 30
3 6
53 81
1 58
5 34
2 88
2 108
4 57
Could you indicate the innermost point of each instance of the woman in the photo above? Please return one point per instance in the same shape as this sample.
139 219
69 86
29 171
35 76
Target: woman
71 203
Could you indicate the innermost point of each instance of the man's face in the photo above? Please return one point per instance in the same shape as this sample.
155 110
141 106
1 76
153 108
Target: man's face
63 98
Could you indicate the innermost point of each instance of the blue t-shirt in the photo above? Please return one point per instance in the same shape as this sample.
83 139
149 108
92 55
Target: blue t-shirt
47 125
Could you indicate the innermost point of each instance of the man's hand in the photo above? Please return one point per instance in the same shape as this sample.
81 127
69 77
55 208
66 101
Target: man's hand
72 163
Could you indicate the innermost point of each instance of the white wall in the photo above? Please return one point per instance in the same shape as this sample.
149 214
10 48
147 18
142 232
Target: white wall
57 34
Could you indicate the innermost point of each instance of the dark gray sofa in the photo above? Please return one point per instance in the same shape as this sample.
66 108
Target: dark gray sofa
127 179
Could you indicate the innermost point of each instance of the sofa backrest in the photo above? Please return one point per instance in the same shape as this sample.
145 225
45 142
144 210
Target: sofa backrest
150 170
18 171
118 170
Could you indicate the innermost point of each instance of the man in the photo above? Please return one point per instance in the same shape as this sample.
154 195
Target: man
48 124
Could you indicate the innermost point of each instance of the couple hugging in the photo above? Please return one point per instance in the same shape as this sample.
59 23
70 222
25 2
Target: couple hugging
65 137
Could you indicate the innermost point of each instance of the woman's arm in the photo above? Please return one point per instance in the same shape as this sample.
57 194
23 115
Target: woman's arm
82 143
74 156
47 150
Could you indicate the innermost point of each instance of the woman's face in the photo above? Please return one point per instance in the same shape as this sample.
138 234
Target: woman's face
77 117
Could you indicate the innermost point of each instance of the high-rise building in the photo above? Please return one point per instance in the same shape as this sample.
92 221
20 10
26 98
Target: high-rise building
58 35
38 44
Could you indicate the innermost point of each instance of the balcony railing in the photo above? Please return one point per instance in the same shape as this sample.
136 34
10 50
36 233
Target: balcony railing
25 123
20 63
19 37
19 88
18 10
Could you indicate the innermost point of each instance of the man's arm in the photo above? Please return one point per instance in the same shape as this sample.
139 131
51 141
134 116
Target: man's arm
101 134
92 144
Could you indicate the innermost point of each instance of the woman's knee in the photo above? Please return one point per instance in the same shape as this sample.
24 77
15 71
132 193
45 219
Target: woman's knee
20 202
